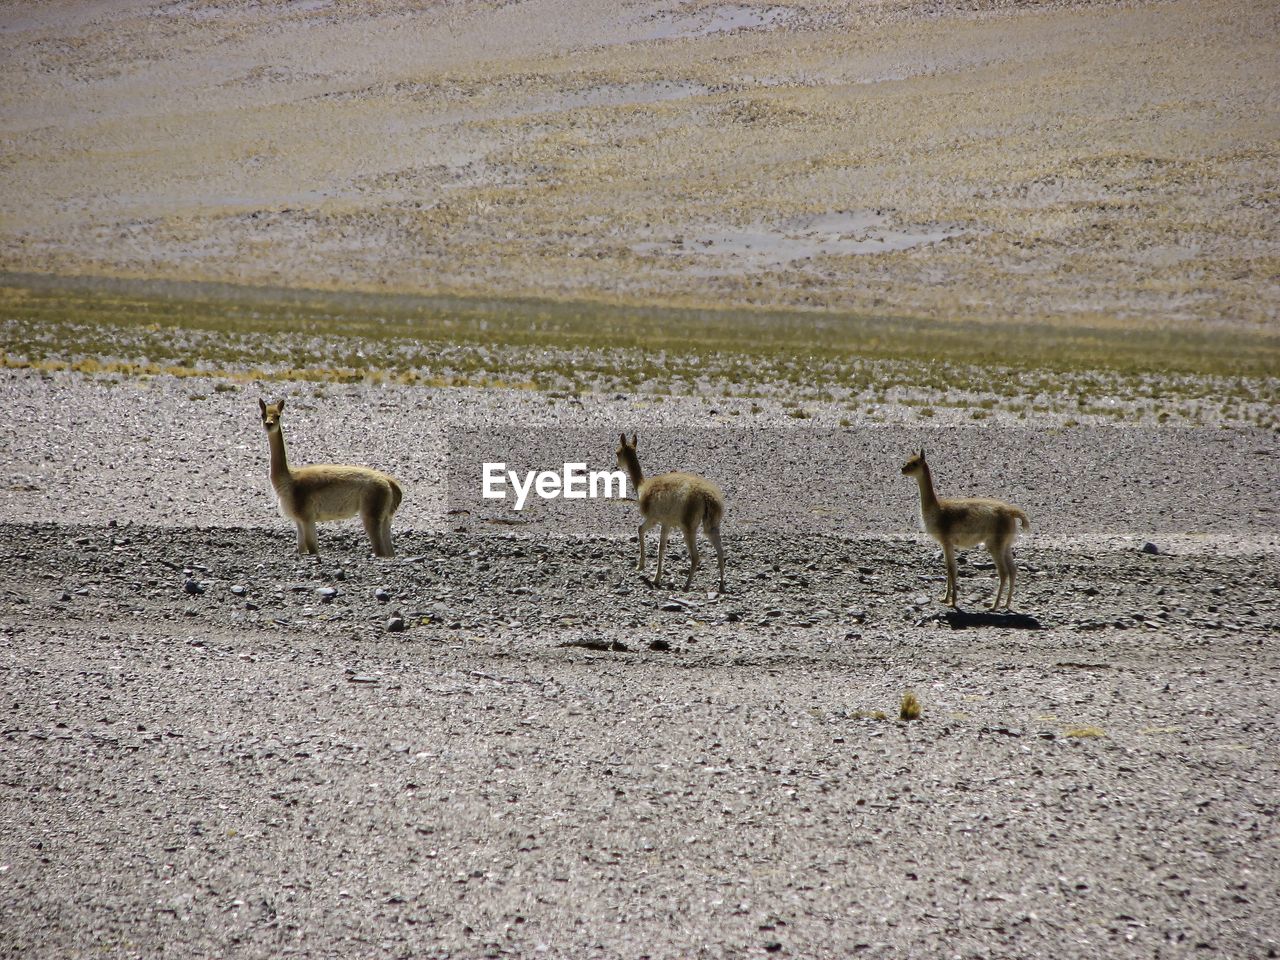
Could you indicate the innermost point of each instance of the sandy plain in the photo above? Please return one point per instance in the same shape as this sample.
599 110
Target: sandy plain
1059 162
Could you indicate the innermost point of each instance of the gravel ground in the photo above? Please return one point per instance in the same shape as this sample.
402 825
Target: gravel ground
503 742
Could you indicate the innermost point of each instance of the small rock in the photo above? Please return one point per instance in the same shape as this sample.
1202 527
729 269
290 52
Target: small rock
1006 731
238 589
326 594
659 645
193 587
395 625
673 608
1150 548
381 595
364 678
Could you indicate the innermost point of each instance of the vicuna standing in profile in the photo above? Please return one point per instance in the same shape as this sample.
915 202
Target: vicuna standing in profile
329 492
675 499
967 523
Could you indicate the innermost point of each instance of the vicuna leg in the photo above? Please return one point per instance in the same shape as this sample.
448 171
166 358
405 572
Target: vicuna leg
387 548
375 511
691 541
662 552
949 555
643 528
1012 571
306 536
373 527
997 554
713 534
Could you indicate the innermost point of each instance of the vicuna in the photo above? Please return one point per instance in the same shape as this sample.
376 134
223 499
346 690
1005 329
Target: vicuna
311 495
967 523
675 499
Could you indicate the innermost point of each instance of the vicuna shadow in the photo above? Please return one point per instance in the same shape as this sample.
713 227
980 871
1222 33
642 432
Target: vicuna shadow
962 619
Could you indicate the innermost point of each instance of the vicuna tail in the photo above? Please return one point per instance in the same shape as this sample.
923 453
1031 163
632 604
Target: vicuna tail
396 495
1026 521
712 510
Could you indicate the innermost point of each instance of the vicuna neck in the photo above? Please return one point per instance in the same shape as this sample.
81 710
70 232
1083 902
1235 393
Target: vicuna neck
632 463
928 499
279 461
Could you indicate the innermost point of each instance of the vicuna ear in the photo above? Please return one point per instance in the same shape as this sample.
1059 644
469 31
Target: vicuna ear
634 438
262 405
623 438
280 404
922 453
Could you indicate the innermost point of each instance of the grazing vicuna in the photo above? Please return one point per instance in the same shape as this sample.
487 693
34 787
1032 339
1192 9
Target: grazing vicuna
967 523
309 495
675 499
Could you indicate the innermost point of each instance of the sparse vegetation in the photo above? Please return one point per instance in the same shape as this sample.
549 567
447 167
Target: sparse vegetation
1084 732
909 708
239 335
869 715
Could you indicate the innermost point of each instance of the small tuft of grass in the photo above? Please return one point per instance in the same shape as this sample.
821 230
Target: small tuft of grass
909 708
1084 732
869 715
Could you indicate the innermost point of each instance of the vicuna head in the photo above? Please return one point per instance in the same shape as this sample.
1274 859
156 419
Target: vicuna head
271 414
915 465
628 459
